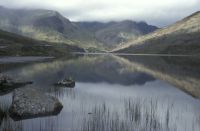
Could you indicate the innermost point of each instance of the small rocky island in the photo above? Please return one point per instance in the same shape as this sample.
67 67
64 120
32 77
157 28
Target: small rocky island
29 103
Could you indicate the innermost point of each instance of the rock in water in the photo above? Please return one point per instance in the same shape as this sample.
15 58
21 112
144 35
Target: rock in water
66 83
28 103
7 84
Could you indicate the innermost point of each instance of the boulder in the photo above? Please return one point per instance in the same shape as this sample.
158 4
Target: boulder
28 103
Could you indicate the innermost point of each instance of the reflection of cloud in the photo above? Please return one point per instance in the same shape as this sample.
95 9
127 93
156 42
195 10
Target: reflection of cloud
153 11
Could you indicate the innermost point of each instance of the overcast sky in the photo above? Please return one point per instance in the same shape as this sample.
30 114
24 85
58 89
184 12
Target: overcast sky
156 12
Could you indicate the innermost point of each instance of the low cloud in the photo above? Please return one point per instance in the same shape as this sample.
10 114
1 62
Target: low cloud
156 12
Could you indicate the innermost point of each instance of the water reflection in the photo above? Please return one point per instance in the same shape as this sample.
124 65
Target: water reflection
85 69
183 72
113 93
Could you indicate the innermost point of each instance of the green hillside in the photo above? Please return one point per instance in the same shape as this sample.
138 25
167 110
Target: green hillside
16 45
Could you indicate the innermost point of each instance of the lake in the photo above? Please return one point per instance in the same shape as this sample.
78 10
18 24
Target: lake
112 93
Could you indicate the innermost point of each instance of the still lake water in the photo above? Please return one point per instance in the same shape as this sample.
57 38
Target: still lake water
112 93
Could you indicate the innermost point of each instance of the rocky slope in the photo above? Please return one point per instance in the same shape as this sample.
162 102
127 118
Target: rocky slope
180 38
115 33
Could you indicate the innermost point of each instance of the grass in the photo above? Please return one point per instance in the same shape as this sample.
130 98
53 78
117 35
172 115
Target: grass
136 116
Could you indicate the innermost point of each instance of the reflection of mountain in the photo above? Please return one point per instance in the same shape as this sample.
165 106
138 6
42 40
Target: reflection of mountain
84 69
183 72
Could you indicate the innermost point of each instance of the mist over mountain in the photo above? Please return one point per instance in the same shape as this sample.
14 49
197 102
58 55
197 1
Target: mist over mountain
51 26
44 25
119 36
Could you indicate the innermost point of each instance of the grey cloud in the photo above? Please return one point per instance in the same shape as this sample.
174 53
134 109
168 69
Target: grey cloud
156 12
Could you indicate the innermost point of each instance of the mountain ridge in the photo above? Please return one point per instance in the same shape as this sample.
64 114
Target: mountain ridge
48 25
184 32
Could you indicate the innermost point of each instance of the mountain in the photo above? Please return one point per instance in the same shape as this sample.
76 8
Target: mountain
180 38
51 26
112 34
44 25
15 45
